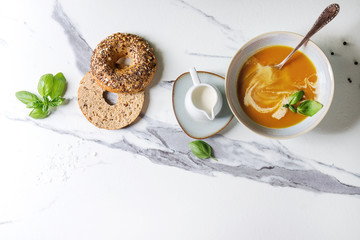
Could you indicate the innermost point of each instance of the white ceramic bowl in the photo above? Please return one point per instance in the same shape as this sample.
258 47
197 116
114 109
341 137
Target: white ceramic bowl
324 73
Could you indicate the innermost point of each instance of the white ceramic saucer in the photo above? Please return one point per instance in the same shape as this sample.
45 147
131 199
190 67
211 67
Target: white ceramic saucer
199 129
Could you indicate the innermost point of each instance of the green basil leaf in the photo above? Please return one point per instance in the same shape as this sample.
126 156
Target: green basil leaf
309 107
292 108
46 100
45 84
38 113
35 104
45 107
59 85
296 97
26 97
56 102
201 149
286 105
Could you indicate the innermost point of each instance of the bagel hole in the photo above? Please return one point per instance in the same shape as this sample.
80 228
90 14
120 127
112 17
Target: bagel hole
110 98
123 62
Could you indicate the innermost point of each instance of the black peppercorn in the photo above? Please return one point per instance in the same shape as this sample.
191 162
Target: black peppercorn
356 62
344 43
349 80
332 53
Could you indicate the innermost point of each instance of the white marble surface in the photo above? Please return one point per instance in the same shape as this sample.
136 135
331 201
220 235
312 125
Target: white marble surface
62 178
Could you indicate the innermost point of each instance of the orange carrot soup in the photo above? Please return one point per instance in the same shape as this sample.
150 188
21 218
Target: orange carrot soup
263 90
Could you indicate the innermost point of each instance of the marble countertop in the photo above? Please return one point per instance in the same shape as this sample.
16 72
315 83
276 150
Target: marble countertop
63 178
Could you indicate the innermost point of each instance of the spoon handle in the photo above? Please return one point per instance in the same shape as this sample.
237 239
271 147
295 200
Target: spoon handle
325 17
194 76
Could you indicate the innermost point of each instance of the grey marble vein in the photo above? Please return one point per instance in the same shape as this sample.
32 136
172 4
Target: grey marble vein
233 35
269 163
5 222
167 84
206 55
80 47
166 144
3 42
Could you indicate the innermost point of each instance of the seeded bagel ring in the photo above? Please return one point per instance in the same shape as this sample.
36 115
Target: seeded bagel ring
118 78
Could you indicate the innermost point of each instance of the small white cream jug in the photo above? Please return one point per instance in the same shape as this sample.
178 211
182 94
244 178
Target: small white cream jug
202 101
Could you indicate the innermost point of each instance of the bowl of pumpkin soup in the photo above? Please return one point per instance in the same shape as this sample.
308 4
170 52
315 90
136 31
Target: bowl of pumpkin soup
281 103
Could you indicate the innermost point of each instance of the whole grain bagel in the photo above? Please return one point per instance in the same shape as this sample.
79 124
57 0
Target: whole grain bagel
120 78
103 115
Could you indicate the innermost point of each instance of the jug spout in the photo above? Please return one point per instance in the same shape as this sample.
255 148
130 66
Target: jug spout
210 115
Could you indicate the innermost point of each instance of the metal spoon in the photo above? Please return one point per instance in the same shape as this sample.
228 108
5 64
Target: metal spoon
325 17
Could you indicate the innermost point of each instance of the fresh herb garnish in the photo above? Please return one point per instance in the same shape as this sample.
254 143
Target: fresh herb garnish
296 97
307 107
292 108
51 88
201 149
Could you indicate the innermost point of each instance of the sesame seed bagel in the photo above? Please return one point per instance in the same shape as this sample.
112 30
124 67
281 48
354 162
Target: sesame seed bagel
120 78
100 113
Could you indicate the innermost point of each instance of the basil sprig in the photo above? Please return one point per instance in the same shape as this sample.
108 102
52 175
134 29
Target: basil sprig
307 107
51 88
201 149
